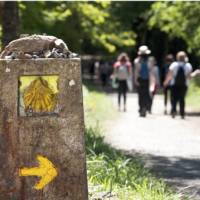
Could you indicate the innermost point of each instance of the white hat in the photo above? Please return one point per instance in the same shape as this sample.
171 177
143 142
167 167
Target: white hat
143 50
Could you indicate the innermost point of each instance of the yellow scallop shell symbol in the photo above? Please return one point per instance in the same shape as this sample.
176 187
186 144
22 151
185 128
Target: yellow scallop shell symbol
39 97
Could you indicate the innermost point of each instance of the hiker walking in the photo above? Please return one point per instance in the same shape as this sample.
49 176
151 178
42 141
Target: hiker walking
92 69
142 78
104 69
179 74
122 72
167 90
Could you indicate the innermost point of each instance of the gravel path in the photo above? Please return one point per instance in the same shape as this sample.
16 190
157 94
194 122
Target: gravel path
169 147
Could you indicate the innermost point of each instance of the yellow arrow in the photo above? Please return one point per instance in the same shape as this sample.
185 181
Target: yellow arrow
45 170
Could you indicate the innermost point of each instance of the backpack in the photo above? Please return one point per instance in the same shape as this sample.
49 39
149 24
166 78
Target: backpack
180 79
122 72
144 70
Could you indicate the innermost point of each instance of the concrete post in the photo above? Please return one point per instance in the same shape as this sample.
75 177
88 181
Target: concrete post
42 153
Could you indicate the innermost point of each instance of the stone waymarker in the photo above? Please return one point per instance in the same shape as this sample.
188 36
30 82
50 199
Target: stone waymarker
42 150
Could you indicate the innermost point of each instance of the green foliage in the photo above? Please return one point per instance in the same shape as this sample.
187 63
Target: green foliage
178 19
128 12
107 27
31 16
85 26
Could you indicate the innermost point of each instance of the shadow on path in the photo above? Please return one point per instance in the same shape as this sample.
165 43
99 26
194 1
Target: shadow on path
170 148
181 173
193 114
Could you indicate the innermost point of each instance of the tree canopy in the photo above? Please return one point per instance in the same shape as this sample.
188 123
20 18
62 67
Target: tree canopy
178 19
86 26
106 27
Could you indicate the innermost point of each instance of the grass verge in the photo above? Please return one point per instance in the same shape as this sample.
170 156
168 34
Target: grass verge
111 174
98 109
193 96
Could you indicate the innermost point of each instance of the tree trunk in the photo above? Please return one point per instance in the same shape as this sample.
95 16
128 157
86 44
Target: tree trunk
1 10
10 22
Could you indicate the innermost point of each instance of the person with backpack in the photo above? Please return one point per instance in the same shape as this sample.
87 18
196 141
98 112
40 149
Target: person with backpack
122 72
179 75
143 79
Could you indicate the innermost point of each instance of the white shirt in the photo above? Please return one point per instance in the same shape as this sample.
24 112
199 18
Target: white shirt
174 68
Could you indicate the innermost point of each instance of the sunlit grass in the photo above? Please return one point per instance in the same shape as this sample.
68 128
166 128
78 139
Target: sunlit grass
111 174
193 95
121 176
98 108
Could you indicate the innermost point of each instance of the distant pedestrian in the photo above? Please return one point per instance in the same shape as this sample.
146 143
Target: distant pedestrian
104 70
122 72
142 78
155 83
167 90
179 74
92 69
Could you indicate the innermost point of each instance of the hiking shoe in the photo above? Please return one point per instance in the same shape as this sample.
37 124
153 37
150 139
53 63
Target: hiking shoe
182 116
173 114
143 113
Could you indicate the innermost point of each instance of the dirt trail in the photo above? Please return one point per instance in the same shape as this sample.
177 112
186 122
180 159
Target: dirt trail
169 147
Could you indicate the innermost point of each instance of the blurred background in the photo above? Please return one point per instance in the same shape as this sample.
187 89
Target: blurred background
107 28
156 158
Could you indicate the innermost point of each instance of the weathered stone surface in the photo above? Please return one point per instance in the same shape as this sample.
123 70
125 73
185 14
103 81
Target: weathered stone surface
58 138
36 45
